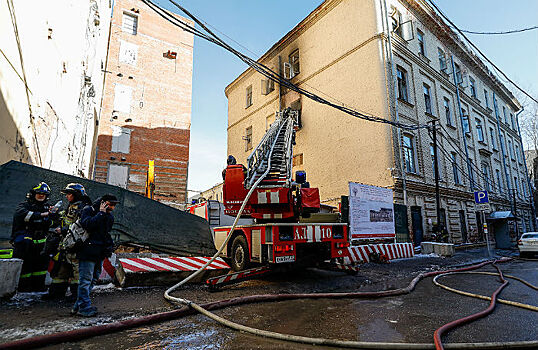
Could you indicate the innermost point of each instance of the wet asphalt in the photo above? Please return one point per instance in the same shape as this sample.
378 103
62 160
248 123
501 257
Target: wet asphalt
406 318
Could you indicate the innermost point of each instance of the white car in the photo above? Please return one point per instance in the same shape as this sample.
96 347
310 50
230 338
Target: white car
528 244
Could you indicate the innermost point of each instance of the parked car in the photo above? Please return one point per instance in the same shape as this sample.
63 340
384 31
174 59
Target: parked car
528 244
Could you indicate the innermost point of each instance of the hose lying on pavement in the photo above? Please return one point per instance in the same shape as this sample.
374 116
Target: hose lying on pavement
483 297
451 325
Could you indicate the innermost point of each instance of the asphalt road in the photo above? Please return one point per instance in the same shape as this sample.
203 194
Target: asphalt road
407 318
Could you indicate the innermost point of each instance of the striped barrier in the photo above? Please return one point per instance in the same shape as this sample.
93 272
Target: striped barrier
164 271
361 253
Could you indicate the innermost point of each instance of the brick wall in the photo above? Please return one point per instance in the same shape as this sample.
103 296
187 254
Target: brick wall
158 112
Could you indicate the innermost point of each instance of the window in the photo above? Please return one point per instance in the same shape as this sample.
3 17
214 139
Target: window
267 86
479 131
402 83
409 154
248 138
486 98
512 121
442 60
122 98
493 137
516 185
121 139
433 162
510 150
448 114
518 157
294 62
298 159
427 99
465 118
472 85
118 175
129 23
485 173
269 120
505 116
459 78
498 179
523 188
248 96
455 171
421 45
396 18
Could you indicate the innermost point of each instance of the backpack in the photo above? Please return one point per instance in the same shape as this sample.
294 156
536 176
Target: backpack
75 237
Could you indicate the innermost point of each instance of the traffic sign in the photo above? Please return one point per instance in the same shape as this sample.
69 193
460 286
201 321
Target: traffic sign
481 197
484 207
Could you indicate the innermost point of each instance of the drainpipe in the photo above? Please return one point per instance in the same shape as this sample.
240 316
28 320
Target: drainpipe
531 199
468 161
395 99
501 139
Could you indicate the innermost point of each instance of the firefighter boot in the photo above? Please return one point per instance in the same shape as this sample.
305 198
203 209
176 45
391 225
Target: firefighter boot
56 291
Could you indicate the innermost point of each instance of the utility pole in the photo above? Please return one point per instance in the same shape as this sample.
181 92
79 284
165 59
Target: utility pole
436 174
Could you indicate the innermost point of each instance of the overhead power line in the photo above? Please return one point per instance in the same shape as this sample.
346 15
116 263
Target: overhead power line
502 32
264 70
480 52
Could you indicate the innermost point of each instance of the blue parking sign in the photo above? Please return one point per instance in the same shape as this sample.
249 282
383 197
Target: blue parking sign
481 197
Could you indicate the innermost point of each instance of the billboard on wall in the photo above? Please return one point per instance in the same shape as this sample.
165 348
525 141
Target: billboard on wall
371 212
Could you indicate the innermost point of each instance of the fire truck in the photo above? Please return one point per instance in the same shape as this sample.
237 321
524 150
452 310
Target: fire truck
288 227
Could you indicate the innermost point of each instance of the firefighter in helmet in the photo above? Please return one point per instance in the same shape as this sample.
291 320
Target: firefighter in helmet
65 264
31 222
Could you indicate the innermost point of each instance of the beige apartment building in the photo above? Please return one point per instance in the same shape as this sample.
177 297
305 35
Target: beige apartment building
146 109
392 59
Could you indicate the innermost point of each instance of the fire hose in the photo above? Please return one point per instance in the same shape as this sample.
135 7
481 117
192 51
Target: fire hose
191 308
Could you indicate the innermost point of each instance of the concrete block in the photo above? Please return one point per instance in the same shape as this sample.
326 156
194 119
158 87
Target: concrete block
10 271
426 247
444 249
156 271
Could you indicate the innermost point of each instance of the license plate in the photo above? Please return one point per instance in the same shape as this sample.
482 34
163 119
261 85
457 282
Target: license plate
284 259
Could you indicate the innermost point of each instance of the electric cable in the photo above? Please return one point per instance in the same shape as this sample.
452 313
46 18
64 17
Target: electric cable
480 52
501 32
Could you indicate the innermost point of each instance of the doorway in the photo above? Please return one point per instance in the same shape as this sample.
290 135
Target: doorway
463 226
416 222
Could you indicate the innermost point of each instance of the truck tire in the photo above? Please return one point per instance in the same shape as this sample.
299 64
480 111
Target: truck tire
240 257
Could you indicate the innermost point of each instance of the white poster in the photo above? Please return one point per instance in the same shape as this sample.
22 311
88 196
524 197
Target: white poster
371 211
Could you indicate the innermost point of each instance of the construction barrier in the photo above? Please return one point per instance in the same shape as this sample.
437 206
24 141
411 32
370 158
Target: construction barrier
163 271
362 253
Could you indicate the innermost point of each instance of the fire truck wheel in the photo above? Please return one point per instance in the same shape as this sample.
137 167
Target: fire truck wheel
240 256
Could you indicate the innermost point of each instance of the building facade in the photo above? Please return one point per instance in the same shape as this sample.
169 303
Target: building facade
51 81
146 109
395 59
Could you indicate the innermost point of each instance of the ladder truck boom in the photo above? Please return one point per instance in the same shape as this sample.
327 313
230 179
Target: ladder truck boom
279 205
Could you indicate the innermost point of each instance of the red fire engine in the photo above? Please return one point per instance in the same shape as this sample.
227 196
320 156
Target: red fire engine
287 228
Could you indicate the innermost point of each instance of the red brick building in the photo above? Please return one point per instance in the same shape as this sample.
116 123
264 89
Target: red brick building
146 108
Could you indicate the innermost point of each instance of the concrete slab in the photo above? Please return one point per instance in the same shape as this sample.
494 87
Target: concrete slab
426 247
444 249
10 271
158 271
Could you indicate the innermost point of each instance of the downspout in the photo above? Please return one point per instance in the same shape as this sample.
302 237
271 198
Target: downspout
395 99
501 140
531 199
464 133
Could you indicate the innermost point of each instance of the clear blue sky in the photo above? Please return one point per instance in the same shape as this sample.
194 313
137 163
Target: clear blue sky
257 25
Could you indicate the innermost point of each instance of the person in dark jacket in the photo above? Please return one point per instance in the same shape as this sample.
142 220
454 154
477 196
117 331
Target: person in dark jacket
65 264
97 220
31 222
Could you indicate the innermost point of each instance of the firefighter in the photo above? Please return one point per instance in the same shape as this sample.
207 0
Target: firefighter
31 222
65 264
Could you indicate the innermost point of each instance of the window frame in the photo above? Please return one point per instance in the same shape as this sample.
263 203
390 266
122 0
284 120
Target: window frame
465 121
427 98
134 16
409 154
486 99
248 96
402 83
248 138
293 60
455 170
421 43
472 87
442 60
479 130
448 112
